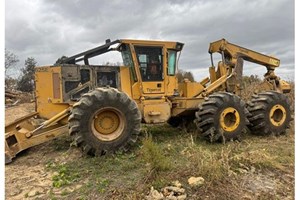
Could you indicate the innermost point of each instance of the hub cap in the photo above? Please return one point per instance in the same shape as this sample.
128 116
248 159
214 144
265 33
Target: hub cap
229 119
108 124
277 115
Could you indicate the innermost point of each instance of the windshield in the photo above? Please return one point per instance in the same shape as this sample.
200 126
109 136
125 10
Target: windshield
127 60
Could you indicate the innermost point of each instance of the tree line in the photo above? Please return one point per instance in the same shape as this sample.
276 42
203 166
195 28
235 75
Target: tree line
25 81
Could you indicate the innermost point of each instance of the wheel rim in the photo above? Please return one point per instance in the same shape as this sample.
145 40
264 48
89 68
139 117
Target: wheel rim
108 124
230 119
277 115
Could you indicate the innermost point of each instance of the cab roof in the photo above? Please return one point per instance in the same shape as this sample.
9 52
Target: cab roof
107 47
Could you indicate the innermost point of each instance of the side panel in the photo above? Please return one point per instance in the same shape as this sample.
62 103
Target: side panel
153 87
185 106
156 111
190 89
76 80
80 79
48 91
56 86
125 80
171 85
136 91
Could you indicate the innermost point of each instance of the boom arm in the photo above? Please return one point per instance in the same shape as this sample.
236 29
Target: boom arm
232 52
232 65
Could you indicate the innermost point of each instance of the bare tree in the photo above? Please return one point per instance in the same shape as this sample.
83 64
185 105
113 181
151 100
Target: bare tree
181 75
60 60
10 61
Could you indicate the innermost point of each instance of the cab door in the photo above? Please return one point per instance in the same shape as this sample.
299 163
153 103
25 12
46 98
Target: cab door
150 61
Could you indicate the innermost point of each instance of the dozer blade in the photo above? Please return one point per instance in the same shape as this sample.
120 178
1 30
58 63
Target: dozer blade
7 159
25 133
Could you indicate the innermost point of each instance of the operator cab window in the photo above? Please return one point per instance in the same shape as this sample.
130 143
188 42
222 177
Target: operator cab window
150 63
127 60
171 62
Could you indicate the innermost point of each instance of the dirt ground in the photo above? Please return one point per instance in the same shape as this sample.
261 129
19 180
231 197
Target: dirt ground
26 175
28 178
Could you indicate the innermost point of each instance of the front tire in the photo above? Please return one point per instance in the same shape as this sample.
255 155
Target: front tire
104 120
221 117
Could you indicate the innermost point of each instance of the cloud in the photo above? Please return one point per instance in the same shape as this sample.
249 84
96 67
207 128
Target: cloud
48 29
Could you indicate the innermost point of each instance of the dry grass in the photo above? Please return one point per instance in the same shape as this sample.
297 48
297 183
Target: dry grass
230 170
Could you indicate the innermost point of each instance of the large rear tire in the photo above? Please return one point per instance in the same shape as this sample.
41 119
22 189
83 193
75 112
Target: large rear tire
270 113
221 117
104 120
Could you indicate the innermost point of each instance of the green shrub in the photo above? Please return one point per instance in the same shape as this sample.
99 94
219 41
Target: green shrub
153 155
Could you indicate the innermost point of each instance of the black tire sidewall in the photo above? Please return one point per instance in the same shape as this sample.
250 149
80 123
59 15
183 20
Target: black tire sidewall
209 115
277 129
261 104
233 134
123 106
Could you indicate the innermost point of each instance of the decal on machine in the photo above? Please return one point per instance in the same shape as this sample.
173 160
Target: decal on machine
41 69
153 90
274 62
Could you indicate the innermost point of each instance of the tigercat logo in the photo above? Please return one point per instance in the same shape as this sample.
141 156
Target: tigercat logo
41 69
274 62
153 90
